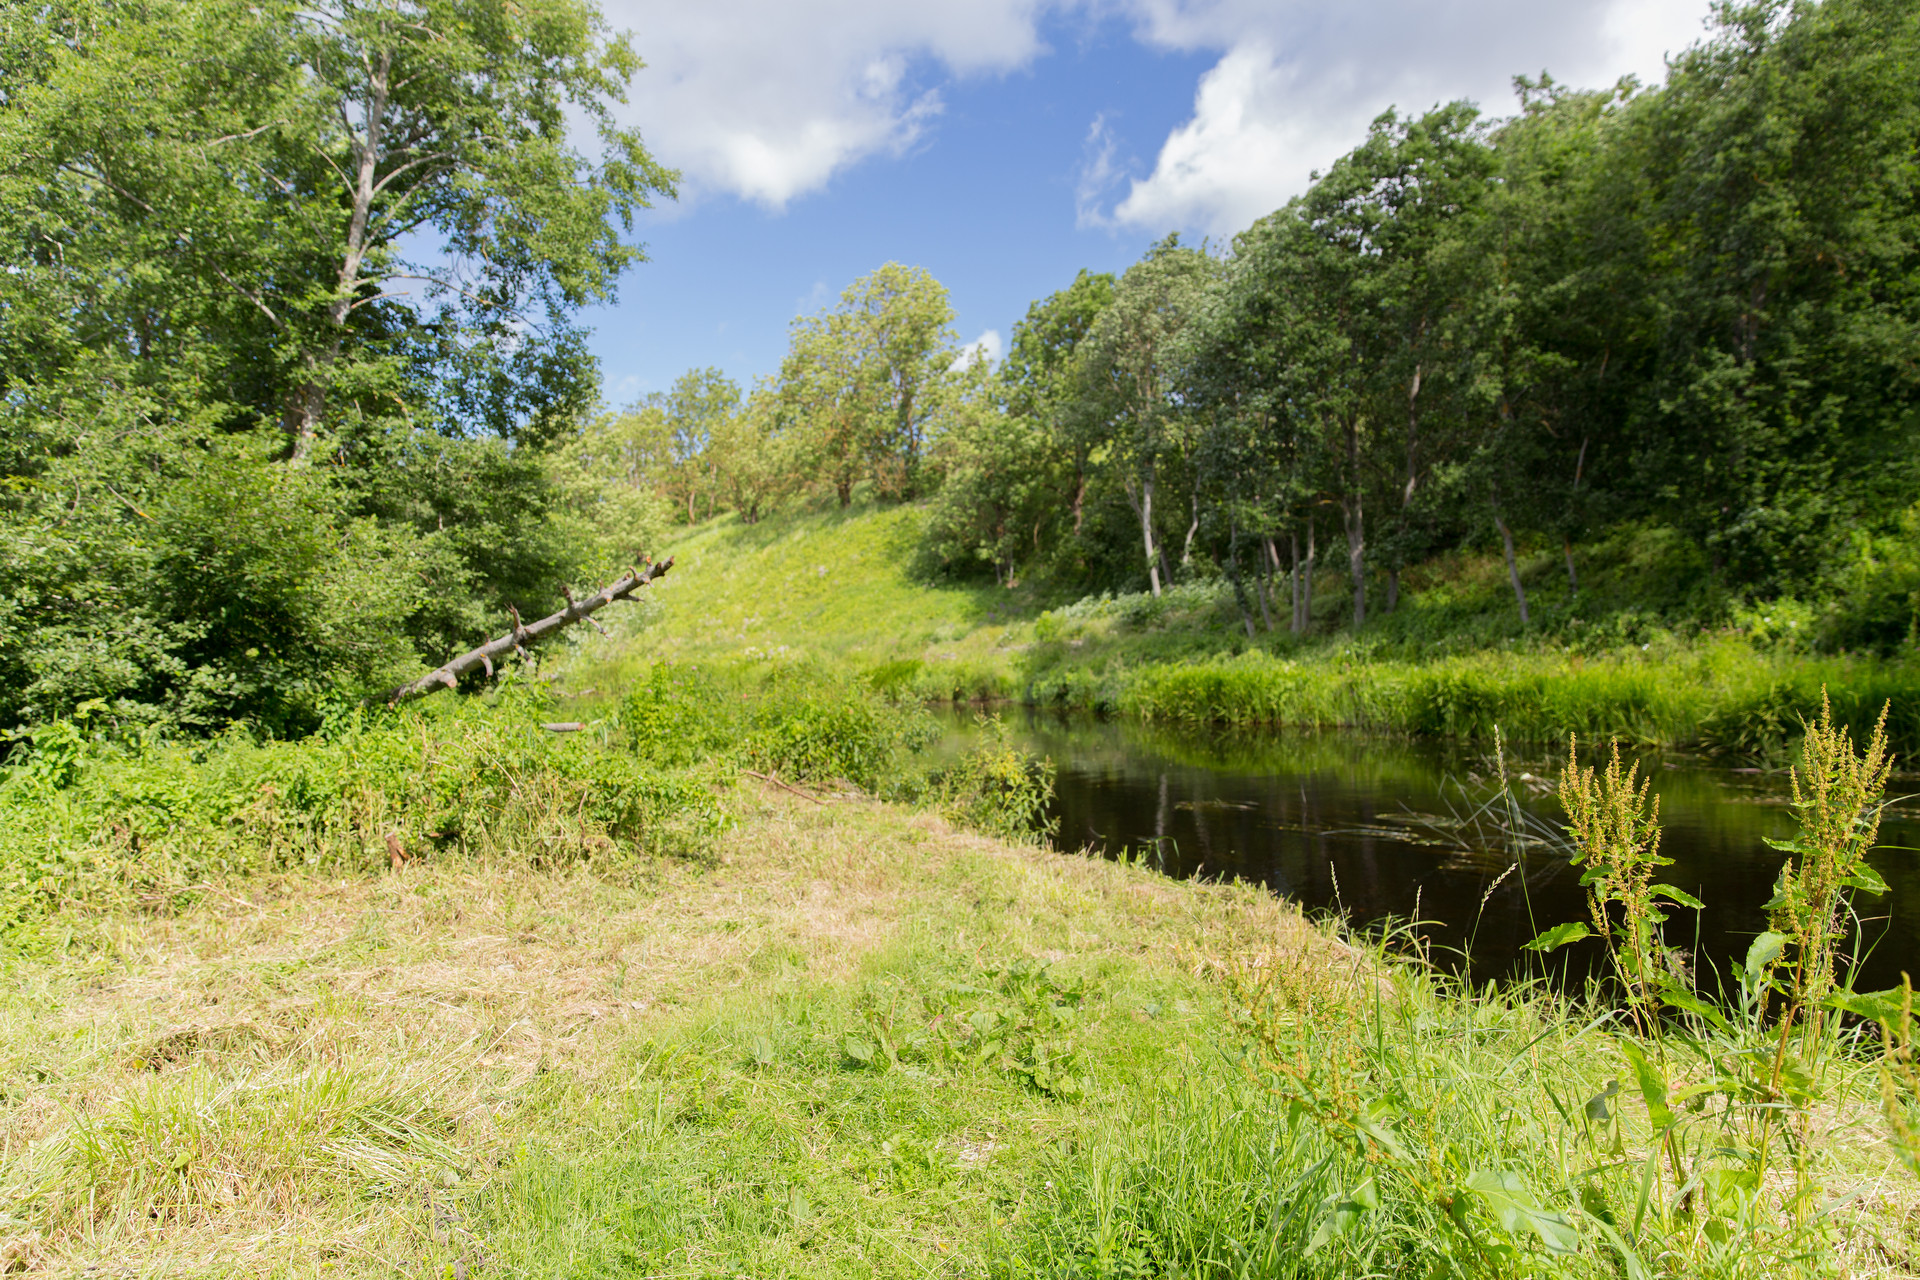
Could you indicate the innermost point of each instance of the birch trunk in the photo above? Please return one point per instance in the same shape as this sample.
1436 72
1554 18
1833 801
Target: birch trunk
1513 567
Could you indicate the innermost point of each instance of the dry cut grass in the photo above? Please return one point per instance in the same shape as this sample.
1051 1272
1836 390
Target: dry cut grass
485 1068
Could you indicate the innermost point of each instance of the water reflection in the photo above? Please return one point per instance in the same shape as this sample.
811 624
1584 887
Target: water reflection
1365 826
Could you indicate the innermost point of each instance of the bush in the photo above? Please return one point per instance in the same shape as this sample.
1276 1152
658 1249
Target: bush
998 788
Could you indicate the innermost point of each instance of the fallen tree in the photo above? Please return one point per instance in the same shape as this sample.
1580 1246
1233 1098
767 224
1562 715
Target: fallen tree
516 640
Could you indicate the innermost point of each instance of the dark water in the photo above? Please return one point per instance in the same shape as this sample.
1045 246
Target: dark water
1371 828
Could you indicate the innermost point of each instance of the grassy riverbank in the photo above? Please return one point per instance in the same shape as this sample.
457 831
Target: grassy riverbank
685 993
737 980
849 1040
843 589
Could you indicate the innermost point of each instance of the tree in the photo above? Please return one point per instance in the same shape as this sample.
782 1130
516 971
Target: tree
863 382
1130 382
241 235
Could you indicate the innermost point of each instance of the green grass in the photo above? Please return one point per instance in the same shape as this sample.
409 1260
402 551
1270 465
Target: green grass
840 590
624 1007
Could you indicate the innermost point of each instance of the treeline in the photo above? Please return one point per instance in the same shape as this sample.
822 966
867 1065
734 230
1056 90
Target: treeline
294 400
287 348
1695 307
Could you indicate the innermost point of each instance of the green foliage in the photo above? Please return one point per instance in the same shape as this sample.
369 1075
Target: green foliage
202 211
998 788
154 823
790 720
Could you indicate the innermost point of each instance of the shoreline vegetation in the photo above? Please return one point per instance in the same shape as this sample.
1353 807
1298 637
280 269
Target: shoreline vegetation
1452 664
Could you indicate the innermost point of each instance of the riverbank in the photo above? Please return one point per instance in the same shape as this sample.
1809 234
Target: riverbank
842 590
685 992
850 1040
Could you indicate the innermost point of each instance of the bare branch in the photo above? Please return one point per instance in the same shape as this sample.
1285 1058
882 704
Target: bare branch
251 296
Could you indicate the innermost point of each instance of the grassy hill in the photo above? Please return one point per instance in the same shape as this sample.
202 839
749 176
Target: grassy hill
1626 656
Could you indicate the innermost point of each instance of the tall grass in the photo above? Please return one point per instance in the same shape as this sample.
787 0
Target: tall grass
96 822
1390 1121
1724 696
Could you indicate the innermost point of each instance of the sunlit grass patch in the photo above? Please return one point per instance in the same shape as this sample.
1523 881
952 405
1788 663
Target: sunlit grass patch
845 1042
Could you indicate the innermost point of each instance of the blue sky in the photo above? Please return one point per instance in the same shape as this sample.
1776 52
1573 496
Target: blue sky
1004 144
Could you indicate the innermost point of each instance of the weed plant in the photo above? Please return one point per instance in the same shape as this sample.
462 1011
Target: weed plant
1389 1119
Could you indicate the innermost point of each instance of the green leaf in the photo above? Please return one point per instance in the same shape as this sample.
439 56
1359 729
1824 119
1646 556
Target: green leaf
1559 936
1672 894
1867 880
1881 1006
1765 950
1597 1110
857 1049
1699 1008
1653 1086
1505 1195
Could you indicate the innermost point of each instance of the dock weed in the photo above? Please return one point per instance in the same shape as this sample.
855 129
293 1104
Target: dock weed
1613 820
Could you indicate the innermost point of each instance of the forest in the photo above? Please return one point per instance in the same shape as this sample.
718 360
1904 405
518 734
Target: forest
296 399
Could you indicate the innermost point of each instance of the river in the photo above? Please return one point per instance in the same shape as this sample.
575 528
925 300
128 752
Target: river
1379 830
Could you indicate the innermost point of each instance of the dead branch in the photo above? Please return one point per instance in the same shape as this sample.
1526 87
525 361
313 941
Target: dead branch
449 675
767 777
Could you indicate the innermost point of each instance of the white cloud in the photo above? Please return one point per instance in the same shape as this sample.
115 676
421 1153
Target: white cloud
1298 82
1099 172
988 345
768 99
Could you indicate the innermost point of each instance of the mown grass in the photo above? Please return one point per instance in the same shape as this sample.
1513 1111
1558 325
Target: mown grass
842 1046
1453 662
856 1041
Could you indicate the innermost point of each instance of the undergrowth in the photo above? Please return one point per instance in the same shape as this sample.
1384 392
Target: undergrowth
93 823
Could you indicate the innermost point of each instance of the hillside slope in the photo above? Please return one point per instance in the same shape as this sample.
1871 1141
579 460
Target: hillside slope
1620 658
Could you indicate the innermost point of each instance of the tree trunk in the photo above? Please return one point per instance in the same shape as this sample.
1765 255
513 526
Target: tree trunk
1268 561
1154 555
1353 510
1306 580
302 418
1513 567
1412 484
448 676
1233 575
1293 580
1186 549
1573 579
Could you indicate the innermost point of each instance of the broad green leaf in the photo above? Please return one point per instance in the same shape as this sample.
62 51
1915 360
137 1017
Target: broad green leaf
1559 936
1505 1195
1597 1110
1693 1004
1653 1085
1672 894
1765 950
1880 1006
861 1051
1867 880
